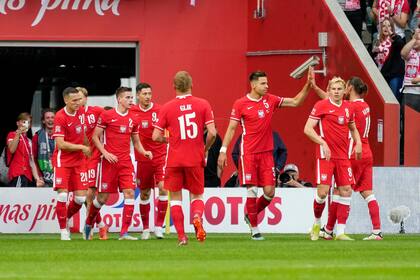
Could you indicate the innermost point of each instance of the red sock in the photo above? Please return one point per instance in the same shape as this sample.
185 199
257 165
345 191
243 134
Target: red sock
162 207
127 215
262 202
61 210
332 216
93 213
178 218
144 214
197 208
318 209
73 208
251 208
374 214
98 218
343 211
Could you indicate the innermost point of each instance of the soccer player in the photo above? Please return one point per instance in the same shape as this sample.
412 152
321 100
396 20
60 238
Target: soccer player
149 172
185 118
256 168
335 118
362 169
69 158
116 171
92 114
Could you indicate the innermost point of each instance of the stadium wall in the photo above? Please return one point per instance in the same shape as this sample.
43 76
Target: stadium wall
210 41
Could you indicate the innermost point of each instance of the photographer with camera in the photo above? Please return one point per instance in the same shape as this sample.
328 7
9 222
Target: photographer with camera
290 178
22 170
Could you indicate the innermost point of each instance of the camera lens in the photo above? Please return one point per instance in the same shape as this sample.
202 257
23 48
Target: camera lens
284 178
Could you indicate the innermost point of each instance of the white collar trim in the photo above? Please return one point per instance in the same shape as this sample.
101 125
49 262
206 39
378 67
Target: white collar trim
67 113
145 110
335 104
121 114
183 96
252 99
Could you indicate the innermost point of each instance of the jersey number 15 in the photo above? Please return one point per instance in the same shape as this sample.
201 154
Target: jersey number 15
187 126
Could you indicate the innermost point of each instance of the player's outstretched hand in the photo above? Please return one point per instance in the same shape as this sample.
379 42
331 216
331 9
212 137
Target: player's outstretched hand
222 161
311 76
326 150
110 157
148 154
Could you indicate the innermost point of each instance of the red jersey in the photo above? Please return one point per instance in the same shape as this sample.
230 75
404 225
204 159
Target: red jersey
72 128
118 130
185 118
19 160
255 118
333 126
362 120
146 119
92 114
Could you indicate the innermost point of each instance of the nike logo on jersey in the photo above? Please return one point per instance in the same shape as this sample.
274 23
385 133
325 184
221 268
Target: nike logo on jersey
250 107
113 120
69 124
332 111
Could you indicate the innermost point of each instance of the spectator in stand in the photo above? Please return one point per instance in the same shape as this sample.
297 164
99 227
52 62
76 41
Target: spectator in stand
355 11
411 55
22 170
290 178
388 56
397 10
43 147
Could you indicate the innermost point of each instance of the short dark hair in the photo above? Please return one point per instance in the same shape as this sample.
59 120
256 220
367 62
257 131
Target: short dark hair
121 90
141 86
23 116
44 111
256 75
69 90
359 86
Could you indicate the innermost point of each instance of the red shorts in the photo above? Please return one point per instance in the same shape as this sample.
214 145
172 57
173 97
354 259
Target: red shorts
115 176
362 170
257 169
92 170
340 168
70 178
150 172
189 178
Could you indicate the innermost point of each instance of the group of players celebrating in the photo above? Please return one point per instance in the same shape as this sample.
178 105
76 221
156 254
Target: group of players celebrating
92 154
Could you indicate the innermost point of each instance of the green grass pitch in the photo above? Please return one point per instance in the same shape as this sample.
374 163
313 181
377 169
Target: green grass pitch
221 256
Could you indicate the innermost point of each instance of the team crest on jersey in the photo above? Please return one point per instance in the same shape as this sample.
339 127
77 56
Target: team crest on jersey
123 128
104 186
261 114
323 177
58 181
248 177
78 129
341 120
58 129
144 124
347 112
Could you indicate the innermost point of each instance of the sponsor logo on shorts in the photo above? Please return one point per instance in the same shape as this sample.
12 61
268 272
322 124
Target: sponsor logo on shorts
323 177
341 120
104 186
58 181
248 177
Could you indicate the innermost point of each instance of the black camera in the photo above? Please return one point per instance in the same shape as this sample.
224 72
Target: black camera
285 177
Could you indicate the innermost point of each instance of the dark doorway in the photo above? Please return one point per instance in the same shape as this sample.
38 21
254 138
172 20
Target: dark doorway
25 70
